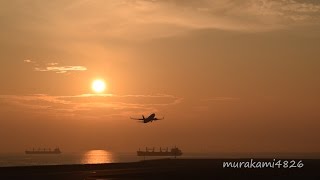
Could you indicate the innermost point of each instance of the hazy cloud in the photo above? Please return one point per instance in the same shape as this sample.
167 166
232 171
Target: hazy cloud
54 67
52 64
102 105
168 17
222 99
145 19
61 69
28 61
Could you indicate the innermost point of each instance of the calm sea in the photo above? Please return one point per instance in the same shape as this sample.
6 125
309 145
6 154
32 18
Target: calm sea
89 157
102 156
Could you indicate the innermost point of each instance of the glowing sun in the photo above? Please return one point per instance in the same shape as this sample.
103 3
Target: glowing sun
98 86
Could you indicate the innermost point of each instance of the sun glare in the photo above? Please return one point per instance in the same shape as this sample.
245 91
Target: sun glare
98 86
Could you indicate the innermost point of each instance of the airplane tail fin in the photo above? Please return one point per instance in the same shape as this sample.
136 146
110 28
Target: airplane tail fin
143 117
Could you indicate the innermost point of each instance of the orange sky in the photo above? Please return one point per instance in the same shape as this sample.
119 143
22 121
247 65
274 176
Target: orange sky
229 76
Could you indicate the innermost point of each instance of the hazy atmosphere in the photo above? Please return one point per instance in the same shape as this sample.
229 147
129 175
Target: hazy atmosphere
227 76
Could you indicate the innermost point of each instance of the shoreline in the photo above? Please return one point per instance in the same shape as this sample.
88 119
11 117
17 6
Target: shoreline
160 169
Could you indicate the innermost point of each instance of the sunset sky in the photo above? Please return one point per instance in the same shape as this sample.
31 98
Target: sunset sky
228 76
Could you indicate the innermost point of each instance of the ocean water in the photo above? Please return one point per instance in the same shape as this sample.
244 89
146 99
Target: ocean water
103 156
88 157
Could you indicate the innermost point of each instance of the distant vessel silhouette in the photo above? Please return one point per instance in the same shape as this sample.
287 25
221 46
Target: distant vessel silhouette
44 151
150 152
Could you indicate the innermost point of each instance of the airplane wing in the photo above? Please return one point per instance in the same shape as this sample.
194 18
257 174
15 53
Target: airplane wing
140 121
158 118
136 118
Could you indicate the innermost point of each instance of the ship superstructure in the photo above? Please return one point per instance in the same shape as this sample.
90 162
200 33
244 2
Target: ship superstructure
43 151
151 152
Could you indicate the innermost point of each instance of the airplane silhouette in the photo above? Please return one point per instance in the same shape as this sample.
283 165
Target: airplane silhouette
148 119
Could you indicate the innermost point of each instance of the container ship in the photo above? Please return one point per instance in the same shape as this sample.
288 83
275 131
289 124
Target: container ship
151 152
44 151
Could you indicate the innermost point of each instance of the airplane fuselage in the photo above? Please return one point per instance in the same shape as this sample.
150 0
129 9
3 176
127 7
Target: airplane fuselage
149 118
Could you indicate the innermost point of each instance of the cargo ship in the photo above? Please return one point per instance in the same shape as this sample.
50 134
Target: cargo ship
151 152
44 151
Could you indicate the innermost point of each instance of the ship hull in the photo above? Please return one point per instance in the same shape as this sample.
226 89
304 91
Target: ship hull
143 153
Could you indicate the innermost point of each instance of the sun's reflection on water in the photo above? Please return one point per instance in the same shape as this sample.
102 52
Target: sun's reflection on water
97 157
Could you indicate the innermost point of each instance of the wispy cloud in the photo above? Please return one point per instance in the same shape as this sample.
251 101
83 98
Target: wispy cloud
28 61
54 67
222 99
145 19
61 69
154 18
102 105
204 105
